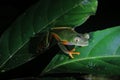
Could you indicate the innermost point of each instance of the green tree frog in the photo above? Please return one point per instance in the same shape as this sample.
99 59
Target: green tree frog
66 36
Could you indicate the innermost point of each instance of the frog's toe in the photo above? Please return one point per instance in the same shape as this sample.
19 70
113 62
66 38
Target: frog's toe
76 53
71 53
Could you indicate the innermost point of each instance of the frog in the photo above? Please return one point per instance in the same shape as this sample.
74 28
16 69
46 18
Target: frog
67 36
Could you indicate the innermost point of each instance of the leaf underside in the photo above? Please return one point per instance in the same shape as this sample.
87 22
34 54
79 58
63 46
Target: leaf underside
15 43
102 56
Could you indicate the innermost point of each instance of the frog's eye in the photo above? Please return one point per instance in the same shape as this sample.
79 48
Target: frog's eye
77 39
86 35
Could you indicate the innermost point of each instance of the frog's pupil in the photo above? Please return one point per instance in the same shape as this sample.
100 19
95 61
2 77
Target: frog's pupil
77 39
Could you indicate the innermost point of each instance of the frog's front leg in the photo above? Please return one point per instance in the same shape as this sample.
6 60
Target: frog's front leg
65 50
71 52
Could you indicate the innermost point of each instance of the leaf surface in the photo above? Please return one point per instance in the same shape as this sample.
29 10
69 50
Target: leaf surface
15 43
102 56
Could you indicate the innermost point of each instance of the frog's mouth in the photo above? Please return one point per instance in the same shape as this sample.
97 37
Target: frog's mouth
83 44
79 44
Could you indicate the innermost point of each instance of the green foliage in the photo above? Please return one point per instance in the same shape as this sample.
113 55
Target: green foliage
102 56
17 46
15 41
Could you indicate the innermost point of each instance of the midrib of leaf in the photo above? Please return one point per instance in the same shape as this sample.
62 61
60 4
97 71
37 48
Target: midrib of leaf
38 31
13 54
108 63
76 60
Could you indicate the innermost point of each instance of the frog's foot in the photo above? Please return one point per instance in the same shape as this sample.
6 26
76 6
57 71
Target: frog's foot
72 52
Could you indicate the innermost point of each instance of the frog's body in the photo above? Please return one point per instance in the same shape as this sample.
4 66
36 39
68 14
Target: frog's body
67 36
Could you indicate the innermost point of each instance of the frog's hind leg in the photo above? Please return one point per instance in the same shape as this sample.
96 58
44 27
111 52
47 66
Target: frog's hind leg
47 39
43 42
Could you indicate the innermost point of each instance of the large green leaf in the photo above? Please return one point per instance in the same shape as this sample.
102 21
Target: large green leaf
14 43
102 56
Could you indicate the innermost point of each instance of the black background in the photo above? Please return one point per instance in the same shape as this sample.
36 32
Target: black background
107 15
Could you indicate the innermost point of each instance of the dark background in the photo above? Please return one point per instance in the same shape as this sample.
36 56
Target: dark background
107 15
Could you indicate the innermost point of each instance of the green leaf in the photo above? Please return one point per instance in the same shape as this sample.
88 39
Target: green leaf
15 43
102 56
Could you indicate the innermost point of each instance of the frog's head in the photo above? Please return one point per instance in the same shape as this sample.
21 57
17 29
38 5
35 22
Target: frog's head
81 40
